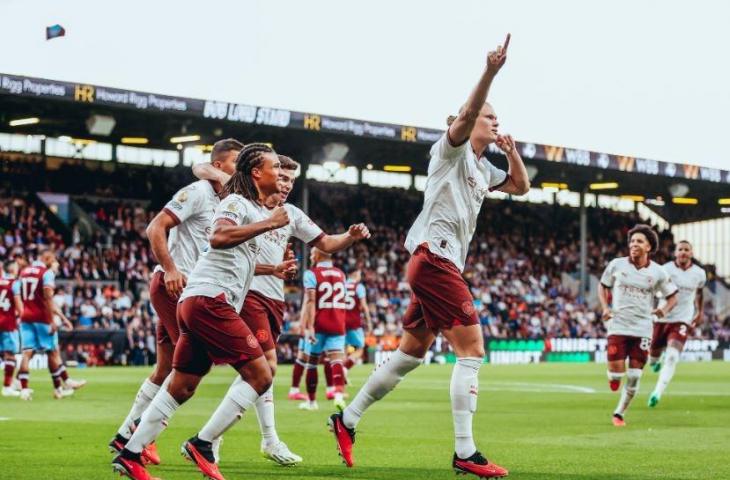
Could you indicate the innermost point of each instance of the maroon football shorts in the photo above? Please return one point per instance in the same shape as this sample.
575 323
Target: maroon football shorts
635 348
668 332
166 309
264 316
440 297
212 332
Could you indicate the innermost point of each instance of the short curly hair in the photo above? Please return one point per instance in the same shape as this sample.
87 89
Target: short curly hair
648 232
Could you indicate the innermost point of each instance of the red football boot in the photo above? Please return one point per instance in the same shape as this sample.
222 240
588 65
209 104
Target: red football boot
117 444
298 396
479 466
345 438
150 455
131 466
201 454
618 420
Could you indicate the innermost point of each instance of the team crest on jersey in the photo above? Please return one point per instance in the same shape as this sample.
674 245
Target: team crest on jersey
182 197
262 335
252 342
232 207
468 308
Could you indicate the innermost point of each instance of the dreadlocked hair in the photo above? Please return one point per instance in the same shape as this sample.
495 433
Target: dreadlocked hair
241 183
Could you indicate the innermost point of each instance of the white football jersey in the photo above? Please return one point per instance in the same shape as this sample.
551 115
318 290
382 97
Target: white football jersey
273 246
228 270
688 282
633 290
457 183
193 207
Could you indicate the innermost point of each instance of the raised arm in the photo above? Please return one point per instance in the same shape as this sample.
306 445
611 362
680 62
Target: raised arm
206 171
227 235
335 243
157 232
460 130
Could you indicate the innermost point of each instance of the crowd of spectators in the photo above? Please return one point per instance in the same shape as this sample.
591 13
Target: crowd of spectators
517 266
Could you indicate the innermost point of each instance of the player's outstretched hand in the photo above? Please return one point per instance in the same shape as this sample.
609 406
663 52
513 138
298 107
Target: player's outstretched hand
286 269
497 58
607 314
506 143
175 282
359 231
279 217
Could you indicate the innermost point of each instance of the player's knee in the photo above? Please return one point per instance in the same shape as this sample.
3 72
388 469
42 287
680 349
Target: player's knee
160 374
672 355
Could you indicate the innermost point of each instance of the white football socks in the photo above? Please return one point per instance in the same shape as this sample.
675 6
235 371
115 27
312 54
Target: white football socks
153 421
145 394
633 376
383 379
464 390
240 397
671 358
265 414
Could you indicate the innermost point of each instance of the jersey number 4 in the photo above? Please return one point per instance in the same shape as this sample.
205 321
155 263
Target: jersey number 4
4 301
331 295
28 287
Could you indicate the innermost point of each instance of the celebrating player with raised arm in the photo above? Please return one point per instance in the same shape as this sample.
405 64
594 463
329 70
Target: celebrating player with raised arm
670 331
178 235
211 329
633 282
459 178
263 309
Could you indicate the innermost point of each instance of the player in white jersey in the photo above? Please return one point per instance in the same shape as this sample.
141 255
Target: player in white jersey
177 235
632 283
459 178
211 330
263 308
670 332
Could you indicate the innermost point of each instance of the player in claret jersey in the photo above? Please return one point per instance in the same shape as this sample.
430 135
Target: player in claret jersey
633 283
11 308
357 311
38 329
670 332
459 178
324 325
178 234
263 309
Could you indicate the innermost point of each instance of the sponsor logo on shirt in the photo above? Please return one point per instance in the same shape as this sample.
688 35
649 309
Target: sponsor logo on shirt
476 191
175 205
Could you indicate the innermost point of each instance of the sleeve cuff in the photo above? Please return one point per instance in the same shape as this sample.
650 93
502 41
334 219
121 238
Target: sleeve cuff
316 239
671 294
500 184
608 286
172 214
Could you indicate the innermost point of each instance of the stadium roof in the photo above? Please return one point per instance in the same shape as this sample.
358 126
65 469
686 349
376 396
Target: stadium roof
64 108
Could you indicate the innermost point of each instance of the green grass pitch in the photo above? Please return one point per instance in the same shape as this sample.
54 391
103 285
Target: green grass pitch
547 421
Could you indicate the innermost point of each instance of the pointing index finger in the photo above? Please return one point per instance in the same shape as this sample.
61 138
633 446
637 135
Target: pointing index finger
506 43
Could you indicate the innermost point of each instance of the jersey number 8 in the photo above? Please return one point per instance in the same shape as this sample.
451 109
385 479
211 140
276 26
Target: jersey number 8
331 295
